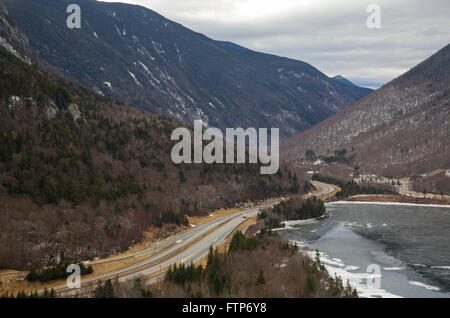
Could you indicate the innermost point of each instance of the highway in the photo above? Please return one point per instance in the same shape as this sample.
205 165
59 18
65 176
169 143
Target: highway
324 189
187 247
190 246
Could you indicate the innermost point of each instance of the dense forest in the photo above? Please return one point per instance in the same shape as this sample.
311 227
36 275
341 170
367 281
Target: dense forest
292 209
86 175
437 184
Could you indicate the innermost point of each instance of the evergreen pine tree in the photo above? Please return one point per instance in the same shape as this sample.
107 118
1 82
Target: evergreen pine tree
260 280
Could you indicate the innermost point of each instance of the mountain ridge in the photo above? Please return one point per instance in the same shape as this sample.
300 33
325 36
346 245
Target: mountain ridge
401 128
136 55
83 175
359 91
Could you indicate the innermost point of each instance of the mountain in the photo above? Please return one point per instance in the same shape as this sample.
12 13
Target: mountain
343 80
134 54
86 175
358 91
12 39
401 128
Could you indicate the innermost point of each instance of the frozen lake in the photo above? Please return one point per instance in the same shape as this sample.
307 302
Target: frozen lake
384 250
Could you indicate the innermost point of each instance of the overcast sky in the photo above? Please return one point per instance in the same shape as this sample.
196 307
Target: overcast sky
332 35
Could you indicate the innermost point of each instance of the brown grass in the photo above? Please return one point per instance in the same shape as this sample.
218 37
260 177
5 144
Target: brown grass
199 220
396 198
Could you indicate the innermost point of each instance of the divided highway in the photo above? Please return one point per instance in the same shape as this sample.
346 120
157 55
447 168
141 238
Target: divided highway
325 189
187 247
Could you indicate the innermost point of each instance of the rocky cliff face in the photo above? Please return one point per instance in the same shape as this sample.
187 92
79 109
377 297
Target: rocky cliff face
136 55
11 38
401 128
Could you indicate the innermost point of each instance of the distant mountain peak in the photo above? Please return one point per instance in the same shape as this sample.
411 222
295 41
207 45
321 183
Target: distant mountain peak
358 91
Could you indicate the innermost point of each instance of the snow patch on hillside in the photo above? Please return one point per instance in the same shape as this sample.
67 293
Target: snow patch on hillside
135 79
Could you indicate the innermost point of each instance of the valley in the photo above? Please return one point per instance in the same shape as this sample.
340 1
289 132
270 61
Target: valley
91 174
400 130
137 151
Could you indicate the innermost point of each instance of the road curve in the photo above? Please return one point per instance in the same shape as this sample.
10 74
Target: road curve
325 189
187 247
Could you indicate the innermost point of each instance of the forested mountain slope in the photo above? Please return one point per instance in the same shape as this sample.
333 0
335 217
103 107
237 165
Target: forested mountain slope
135 55
402 128
86 175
